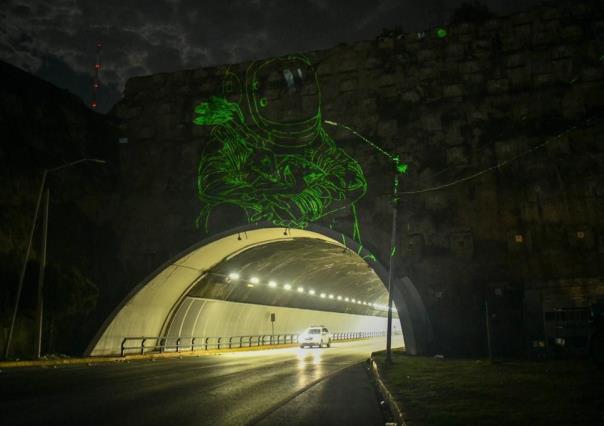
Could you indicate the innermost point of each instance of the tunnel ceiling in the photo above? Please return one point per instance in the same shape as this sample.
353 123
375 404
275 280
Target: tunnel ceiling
309 263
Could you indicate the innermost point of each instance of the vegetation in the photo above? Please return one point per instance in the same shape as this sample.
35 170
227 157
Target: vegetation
434 391
69 297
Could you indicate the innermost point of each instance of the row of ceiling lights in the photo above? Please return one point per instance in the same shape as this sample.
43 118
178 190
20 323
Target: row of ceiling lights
254 281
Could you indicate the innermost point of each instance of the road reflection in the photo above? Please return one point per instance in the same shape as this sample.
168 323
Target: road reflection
310 365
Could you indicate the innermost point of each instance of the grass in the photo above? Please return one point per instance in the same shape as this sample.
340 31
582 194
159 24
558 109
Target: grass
434 391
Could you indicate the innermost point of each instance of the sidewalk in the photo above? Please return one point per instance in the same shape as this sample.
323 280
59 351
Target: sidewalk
346 398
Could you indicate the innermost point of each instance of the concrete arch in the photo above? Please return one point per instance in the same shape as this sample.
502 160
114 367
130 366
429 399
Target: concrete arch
149 307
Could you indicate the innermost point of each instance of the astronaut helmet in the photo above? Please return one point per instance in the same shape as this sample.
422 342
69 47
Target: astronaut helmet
280 99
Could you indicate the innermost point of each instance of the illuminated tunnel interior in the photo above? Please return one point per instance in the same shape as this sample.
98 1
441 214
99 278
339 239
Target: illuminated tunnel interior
232 285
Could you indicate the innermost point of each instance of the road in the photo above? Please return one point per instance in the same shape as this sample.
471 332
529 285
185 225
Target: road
279 386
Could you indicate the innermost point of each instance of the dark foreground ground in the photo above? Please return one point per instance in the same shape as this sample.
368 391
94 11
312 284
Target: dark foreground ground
474 392
273 387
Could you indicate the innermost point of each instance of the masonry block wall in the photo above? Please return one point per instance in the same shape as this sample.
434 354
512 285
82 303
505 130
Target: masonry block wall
522 95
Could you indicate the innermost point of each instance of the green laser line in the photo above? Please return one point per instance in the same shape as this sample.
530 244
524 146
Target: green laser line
400 167
354 132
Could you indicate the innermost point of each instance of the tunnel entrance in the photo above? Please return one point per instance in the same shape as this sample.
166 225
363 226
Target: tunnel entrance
283 287
233 282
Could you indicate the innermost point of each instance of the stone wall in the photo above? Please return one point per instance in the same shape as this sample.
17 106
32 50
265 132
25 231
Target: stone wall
524 92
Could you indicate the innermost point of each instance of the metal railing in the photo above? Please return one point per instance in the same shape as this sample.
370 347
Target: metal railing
147 344
357 335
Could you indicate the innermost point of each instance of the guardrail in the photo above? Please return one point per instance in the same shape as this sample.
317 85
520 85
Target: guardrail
160 344
357 335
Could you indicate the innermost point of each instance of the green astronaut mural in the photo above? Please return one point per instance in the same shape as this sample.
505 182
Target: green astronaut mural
269 153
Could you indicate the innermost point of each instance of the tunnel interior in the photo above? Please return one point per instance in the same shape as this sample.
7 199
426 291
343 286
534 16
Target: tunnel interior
293 271
257 282
282 287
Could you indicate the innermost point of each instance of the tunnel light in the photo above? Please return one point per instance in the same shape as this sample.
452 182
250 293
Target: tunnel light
250 285
346 299
287 287
331 296
358 302
300 289
234 276
272 284
311 292
354 300
323 295
254 280
339 297
364 303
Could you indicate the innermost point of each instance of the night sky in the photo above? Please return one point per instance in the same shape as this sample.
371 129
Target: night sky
55 39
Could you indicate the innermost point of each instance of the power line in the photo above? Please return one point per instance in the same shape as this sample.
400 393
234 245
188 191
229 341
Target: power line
499 165
494 167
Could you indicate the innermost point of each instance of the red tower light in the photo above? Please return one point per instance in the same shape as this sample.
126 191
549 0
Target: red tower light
95 80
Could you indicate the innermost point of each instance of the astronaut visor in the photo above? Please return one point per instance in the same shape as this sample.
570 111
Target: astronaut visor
285 91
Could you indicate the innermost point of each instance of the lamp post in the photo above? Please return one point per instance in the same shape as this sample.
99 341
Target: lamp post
399 169
42 260
40 293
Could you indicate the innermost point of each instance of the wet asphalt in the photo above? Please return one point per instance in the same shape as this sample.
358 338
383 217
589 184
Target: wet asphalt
274 387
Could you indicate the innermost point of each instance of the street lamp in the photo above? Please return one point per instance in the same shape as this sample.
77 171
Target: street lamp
399 168
42 257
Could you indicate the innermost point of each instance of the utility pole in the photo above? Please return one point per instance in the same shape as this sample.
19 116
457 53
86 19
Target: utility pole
40 298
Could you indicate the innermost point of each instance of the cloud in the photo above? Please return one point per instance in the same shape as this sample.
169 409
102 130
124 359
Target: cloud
144 37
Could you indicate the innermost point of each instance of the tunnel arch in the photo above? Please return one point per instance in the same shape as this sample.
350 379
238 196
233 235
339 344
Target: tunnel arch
150 306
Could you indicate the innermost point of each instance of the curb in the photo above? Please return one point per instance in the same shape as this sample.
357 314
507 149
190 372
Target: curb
138 357
396 411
